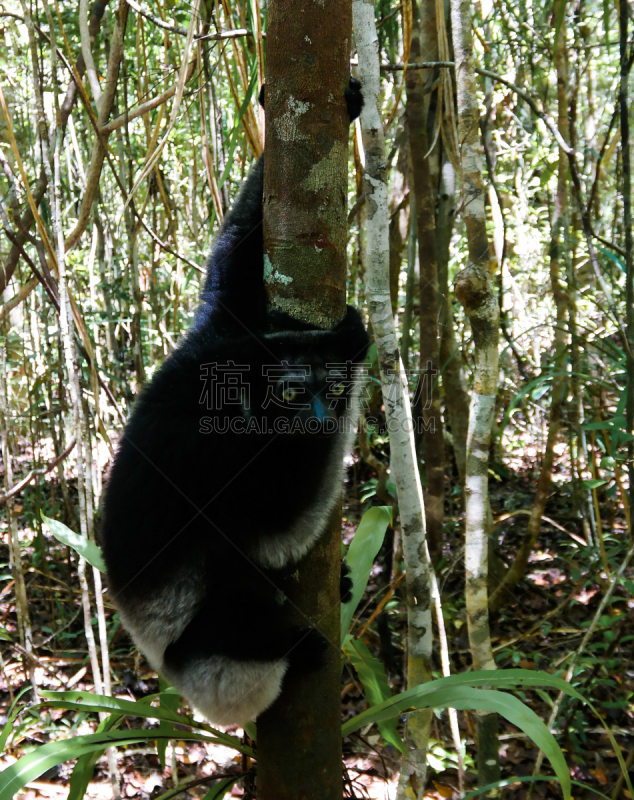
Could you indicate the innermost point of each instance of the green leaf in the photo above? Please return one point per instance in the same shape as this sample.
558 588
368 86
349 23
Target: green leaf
539 391
502 678
251 730
87 701
361 554
13 713
372 675
82 774
219 790
80 544
524 779
85 766
593 483
604 425
30 767
5 636
440 693
467 697
613 257
169 701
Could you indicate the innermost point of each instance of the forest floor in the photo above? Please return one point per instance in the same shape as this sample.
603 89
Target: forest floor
540 628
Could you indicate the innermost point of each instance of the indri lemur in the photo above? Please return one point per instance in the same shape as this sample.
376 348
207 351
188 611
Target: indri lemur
207 499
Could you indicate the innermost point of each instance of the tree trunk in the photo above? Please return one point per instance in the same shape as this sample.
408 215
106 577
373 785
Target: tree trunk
417 106
627 224
475 292
410 287
398 231
25 630
397 408
306 159
305 224
453 380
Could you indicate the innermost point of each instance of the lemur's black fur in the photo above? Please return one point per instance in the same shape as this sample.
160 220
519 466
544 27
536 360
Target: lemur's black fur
207 498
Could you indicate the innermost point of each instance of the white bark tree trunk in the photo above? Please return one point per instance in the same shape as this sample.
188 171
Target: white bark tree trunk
396 400
474 290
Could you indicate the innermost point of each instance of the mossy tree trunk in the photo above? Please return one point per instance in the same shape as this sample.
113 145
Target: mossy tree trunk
398 414
305 224
474 290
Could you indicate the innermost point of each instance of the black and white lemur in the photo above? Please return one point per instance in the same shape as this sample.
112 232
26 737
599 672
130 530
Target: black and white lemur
211 493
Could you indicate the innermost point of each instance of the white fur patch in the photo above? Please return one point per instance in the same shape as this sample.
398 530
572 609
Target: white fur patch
225 691
229 692
163 617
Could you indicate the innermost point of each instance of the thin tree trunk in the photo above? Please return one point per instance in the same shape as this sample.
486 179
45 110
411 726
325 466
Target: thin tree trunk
25 632
398 232
452 373
305 224
576 417
133 249
410 287
80 424
397 407
475 292
100 144
111 341
137 297
417 106
627 224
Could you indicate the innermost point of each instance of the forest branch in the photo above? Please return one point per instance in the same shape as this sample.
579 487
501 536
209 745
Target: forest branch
172 28
17 488
149 105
